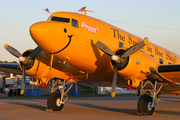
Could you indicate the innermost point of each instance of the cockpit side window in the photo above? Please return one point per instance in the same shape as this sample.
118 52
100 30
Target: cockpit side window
74 23
60 19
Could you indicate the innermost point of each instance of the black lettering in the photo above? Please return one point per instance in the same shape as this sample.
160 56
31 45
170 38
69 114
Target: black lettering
117 33
149 49
114 32
157 52
123 38
169 57
130 40
133 42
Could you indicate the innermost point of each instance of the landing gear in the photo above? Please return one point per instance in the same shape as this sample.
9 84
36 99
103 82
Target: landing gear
56 100
146 103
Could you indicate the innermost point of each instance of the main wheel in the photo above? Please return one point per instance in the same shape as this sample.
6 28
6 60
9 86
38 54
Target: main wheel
53 101
145 105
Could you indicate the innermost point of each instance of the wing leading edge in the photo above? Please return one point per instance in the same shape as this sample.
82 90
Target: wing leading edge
10 67
170 72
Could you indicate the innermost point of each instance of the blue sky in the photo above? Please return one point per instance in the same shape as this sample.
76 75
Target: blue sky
133 16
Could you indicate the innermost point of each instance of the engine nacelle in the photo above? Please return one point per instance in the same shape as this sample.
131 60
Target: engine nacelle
41 67
136 67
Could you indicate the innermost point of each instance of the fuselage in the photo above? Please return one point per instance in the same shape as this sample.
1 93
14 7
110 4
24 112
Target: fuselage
70 38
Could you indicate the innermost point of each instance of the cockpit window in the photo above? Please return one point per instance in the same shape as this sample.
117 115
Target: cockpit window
60 19
74 23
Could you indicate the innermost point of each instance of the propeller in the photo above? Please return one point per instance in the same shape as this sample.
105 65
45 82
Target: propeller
25 60
119 59
23 81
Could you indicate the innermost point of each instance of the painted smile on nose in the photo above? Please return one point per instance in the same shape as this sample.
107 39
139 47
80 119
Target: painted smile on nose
50 36
70 36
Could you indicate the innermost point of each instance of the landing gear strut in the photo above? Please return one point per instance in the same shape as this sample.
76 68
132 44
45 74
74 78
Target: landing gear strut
146 103
56 100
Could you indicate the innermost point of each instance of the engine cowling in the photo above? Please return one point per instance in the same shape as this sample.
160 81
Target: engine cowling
40 67
136 67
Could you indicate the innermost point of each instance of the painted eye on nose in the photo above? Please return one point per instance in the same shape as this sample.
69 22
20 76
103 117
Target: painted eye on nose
65 30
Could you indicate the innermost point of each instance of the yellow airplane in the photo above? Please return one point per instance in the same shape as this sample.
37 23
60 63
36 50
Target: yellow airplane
79 49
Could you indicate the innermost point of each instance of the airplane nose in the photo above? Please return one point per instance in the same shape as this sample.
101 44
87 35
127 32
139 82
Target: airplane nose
50 36
40 32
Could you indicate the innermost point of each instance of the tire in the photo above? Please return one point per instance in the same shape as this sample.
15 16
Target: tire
52 102
144 105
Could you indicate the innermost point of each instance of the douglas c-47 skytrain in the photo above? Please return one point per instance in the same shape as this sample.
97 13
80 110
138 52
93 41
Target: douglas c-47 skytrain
78 49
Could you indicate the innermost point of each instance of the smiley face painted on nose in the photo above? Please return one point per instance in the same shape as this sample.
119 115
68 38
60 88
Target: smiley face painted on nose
70 36
50 36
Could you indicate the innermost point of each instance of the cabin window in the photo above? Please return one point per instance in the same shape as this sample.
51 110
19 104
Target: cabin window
160 61
169 63
60 19
121 44
74 23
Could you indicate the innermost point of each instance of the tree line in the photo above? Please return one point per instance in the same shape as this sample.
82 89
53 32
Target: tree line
9 62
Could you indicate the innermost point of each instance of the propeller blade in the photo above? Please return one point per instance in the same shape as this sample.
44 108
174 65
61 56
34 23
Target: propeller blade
35 52
113 93
135 48
104 48
12 50
23 81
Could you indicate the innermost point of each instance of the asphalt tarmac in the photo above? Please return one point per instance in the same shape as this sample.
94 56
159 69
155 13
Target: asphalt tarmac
89 108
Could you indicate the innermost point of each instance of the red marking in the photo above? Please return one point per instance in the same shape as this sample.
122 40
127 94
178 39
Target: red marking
134 48
43 85
128 87
70 79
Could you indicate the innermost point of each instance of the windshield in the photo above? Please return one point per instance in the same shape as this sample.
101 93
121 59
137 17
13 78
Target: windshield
60 19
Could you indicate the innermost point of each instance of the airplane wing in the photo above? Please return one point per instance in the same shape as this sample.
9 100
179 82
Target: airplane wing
170 72
10 67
